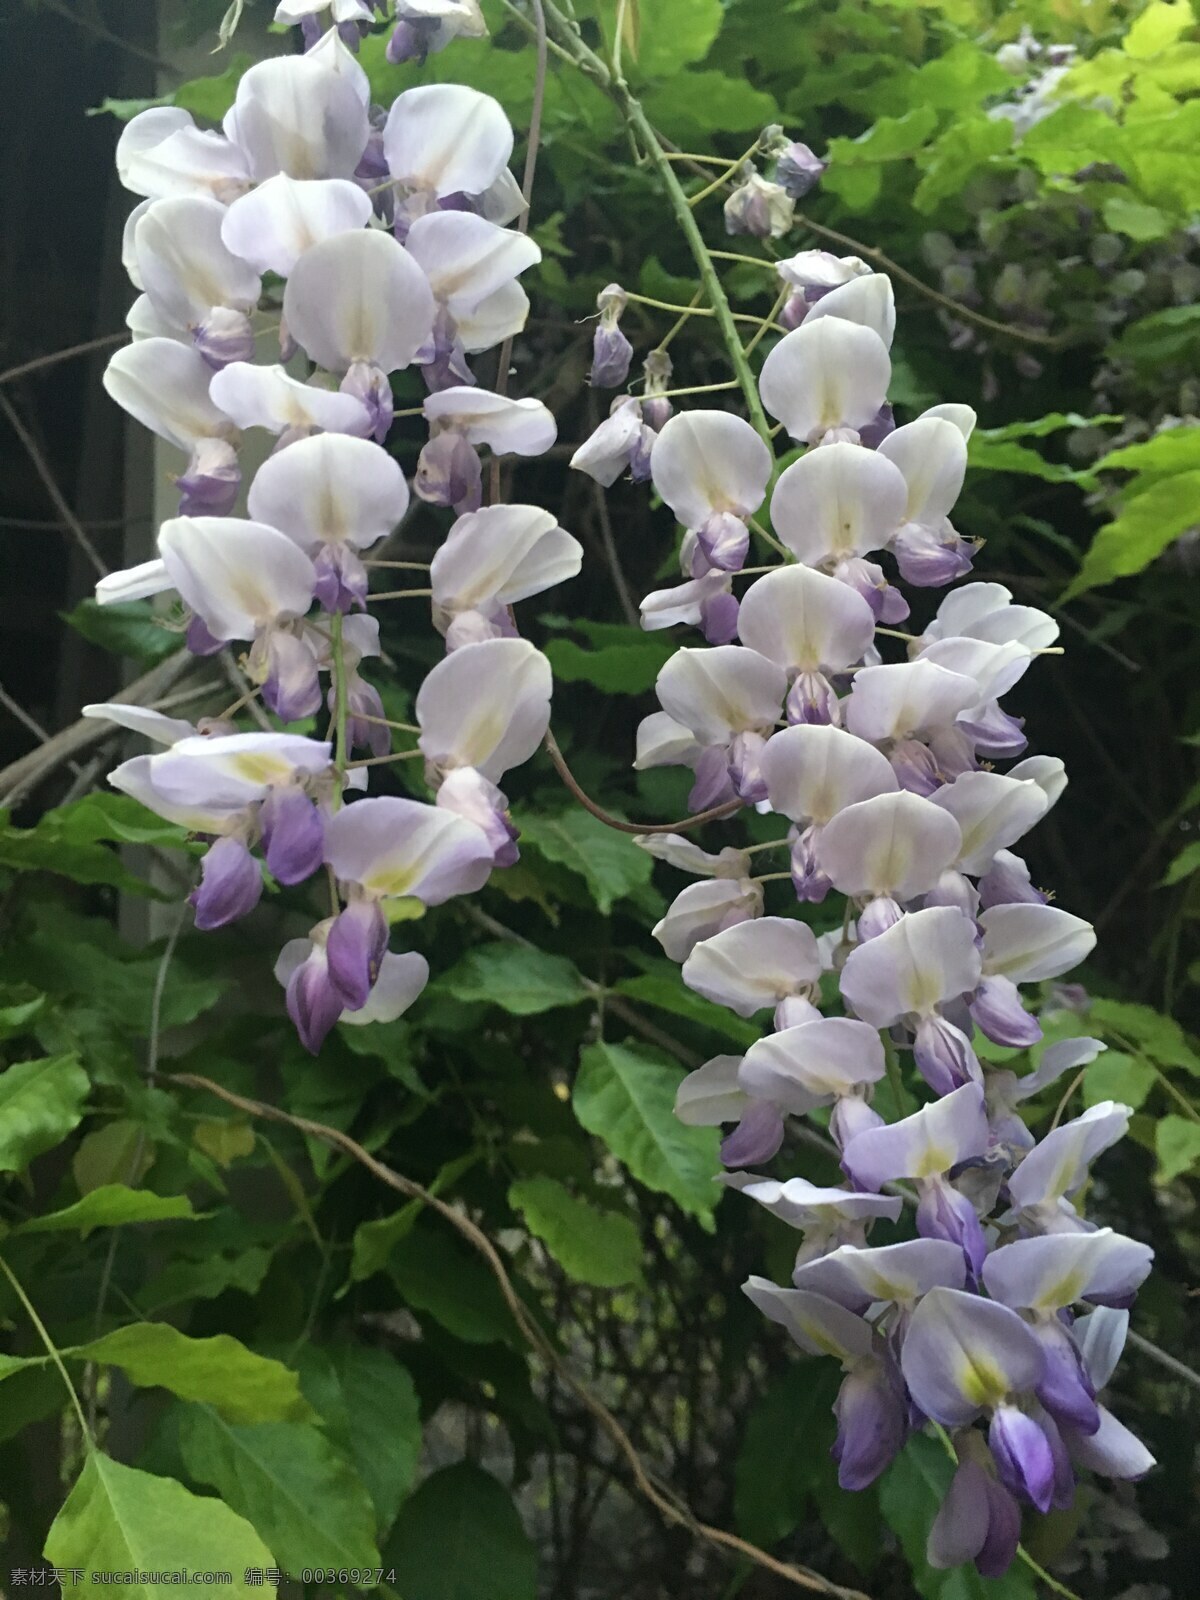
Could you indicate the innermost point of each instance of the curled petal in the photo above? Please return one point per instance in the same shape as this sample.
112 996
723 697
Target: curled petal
468 259
711 1094
819 1326
897 1273
500 555
164 385
444 139
704 909
866 299
273 225
1028 943
305 116
402 848
239 576
803 1066
721 691
507 427
269 397
993 811
230 884
1058 1165
898 702
931 454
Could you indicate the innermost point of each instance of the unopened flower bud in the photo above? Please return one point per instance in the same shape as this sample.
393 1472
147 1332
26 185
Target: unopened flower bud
759 208
797 169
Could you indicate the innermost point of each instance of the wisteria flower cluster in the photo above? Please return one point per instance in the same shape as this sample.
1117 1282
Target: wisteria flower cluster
1008 1309
378 237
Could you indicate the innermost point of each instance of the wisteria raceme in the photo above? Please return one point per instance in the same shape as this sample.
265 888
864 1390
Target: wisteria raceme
386 227
988 1322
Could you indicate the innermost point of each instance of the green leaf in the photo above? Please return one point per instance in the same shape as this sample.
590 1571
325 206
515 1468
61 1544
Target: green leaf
128 629
617 668
710 101
1172 450
665 990
609 862
368 1403
110 1206
969 145
119 1152
1184 865
299 1492
778 1463
438 1274
910 1494
240 1385
625 1095
1177 1146
119 1520
126 110
1162 336
855 174
40 1102
1159 25
1160 1037
1135 219
374 1241
518 978
997 449
212 97
1120 1077
55 846
16 1015
1142 530
460 1538
590 1244
672 33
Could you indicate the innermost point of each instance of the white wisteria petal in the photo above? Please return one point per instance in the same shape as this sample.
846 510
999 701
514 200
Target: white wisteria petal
444 139
185 266
994 667
926 958
502 201
359 297
993 812
900 1273
805 620
839 501
140 719
1058 1164
399 849
663 608
754 964
1058 1058
305 116
145 321
706 462
133 583
1048 772
1028 943
867 299
832 374
902 699
813 771
604 454
273 225
501 316
819 1326
507 427
963 417
985 611
500 555
1113 1451
710 1095
704 909
165 385
663 742
802 1204
931 454
292 11
811 1063
1047 1273
239 576
466 258
133 778
234 769
161 152
486 706
948 1130
895 845
721 691
400 982
269 397
818 269
330 489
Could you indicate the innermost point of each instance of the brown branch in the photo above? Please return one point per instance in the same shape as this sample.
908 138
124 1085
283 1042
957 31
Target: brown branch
713 814
42 468
36 365
667 1504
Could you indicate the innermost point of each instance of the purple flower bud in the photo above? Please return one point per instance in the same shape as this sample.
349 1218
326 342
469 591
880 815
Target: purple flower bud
944 1056
471 627
209 485
812 699
611 356
724 540
809 882
292 689
745 770
932 557
866 578
449 473
943 1213
876 917
797 169
198 639
224 336
313 1003
877 430
713 785
230 884
371 385
756 1138
997 1009
872 1417
719 617
355 948
1065 1390
293 835
639 454
363 702
761 209
444 361
994 732
1022 1455
657 410
978 1520
469 794
409 42
793 311
792 1010
341 579
952 889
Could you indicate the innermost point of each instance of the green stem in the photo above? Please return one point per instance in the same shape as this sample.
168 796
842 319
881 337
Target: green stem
588 61
51 1350
896 1084
341 751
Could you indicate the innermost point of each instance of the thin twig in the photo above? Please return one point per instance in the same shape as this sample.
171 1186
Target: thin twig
713 814
671 1508
39 362
16 709
43 471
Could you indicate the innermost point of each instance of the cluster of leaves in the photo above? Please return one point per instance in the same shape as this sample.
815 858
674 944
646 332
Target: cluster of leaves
279 1363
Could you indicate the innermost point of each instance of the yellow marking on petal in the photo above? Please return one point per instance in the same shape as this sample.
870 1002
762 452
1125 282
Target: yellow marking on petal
259 767
1063 1291
981 1380
933 1162
391 881
819 1337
